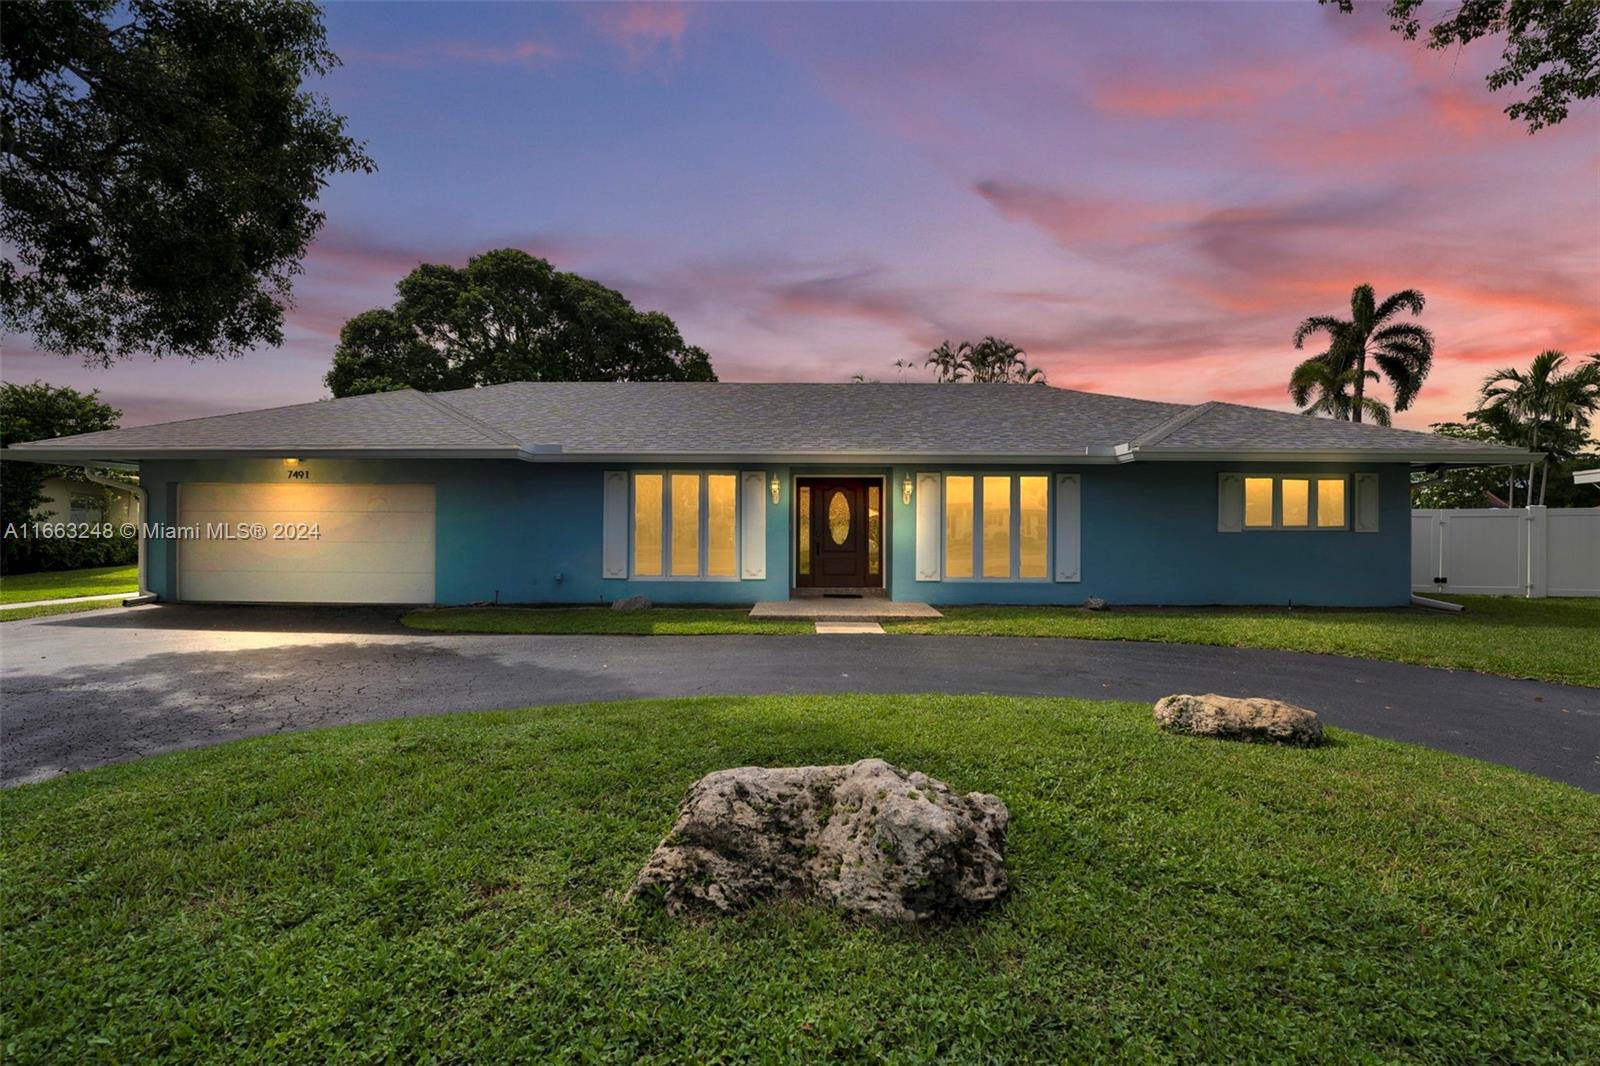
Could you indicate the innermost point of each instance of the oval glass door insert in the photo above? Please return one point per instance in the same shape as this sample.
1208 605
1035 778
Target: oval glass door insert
839 517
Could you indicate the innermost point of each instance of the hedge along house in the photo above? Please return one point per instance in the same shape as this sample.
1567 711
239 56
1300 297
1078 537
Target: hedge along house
734 493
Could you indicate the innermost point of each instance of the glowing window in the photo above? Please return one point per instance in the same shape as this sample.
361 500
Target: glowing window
722 493
839 517
685 525
1295 493
1330 503
647 511
804 521
874 528
1258 502
1033 527
997 527
958 526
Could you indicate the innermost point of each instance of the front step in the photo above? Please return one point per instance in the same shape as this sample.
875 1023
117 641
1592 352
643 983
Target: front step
835 610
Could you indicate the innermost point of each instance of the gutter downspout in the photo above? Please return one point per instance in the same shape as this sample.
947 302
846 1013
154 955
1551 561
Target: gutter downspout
142 500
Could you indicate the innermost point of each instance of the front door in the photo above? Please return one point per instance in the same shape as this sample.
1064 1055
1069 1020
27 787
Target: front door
840 533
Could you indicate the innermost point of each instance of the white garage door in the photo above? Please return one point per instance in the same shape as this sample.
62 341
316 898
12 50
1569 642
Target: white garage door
374 544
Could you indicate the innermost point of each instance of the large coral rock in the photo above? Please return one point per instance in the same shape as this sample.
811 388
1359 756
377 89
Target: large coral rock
868 838
1240 718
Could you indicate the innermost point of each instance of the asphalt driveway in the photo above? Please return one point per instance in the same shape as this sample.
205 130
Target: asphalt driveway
81 690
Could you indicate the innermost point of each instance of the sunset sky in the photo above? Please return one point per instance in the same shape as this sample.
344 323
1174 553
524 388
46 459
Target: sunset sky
1147 198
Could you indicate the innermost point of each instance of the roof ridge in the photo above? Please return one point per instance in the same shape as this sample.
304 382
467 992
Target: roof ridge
1164 429
470 420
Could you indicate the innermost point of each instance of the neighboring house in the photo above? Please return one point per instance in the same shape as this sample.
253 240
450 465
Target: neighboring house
79 502
733 493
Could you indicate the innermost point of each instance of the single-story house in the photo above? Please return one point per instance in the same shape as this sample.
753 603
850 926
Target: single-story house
734 493
77 502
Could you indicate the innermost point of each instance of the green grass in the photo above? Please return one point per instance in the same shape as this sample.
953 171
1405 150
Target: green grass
63 584
17 614
681 621
448 889
1552 639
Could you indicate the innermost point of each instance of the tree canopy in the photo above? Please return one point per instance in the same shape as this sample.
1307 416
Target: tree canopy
159 163
507 316
1543 409
1555 44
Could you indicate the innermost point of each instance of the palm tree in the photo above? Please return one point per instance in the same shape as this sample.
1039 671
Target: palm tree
950 363
990 361
1317 389
1543 408
1403 351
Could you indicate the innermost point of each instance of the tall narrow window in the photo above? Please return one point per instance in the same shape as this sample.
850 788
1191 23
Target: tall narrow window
1330 503
874 529
647 542
685 525
1258 502
997 527
1033 527
722 516
958 526
1296 504
803 523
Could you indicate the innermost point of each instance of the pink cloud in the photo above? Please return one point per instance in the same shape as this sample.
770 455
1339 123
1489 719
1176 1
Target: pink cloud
642 30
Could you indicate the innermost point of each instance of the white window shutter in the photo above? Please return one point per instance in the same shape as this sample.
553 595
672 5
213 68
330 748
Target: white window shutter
1069 510
753 525
614 561
1365 492
1230 503
929 518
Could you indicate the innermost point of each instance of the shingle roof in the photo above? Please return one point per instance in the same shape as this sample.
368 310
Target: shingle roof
767 421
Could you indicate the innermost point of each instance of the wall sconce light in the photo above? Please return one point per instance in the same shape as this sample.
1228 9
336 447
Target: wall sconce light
905 490
775 487
291 462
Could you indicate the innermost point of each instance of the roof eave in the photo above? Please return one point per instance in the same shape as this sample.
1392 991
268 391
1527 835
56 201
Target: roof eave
1413 456
65 456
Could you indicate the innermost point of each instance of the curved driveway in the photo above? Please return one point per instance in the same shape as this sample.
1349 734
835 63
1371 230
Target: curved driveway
80 690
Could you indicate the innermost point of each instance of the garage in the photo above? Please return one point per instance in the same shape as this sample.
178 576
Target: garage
306 543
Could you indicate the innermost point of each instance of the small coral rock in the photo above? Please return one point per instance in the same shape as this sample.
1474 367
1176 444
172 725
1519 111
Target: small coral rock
632 603
868 838
1240 718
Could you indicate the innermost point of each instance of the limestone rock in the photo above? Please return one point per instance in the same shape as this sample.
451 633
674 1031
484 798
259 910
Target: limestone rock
1094 603
1240 718
632 603
870 839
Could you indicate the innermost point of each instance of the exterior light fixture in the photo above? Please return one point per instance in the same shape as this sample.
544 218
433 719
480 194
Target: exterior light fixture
291 462
905 490
775 487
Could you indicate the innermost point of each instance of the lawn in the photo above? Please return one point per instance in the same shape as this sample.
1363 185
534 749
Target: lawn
1550 639
17 614
681 621
448 889
63 584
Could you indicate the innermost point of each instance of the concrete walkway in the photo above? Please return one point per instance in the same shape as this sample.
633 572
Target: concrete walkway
84 689
70 599
842 609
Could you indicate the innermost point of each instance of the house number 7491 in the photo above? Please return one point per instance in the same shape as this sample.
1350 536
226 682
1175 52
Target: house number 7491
298 474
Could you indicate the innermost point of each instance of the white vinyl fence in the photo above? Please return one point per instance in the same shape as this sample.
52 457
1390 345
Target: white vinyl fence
1532 551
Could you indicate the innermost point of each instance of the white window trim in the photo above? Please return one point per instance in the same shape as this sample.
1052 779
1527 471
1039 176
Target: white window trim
1277 525
666 526
977 476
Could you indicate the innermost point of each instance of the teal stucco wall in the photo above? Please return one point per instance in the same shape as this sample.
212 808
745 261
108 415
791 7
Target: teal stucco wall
517 532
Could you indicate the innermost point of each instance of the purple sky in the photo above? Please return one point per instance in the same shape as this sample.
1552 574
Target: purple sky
1146 197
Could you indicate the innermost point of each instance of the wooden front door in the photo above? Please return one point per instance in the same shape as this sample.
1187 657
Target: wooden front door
840 533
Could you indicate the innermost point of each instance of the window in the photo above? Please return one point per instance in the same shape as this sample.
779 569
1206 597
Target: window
874 528
958 526
685 525
804 519
1280 502
997 527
